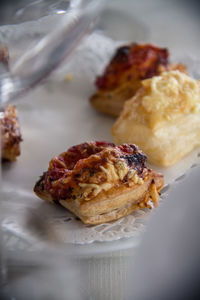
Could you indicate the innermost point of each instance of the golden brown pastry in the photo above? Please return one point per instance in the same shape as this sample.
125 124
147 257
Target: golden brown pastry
10 129
163 118
11 136
4 55
100 182
123 76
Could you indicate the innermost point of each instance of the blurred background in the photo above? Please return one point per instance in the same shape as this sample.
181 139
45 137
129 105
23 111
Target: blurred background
172 23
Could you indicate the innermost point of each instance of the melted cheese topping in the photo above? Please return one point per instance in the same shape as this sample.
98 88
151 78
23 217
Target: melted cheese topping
122 169
114 172
171 92
110 171
95 189
154 194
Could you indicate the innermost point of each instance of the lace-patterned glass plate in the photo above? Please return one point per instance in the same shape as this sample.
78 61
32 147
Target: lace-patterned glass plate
53 118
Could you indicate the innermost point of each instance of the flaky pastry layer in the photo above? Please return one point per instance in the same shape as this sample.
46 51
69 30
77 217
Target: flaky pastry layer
162 118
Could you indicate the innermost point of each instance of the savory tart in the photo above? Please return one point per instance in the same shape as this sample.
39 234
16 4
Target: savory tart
163 118
4 56
10 133
123 76
10 129
100 182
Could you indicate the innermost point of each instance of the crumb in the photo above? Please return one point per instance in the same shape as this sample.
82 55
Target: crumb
68 77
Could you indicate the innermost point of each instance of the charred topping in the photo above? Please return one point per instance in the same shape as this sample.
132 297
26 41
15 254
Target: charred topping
137 160
61 179
122 54
40 182
135 61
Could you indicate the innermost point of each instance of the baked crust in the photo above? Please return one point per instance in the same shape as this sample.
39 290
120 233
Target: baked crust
4 56
123 76
162 118
11 136
100 182
10 129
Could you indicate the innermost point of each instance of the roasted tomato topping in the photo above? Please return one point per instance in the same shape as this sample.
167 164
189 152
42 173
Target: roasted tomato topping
82 164
135 61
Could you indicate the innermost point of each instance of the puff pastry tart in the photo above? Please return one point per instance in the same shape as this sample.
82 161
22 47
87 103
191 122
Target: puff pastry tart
100 182
11 136
122 77
163 118
10 129
4 56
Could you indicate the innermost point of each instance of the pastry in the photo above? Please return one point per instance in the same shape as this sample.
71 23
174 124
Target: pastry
4 56
163 118
10 129
123 76
100 182
10 133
